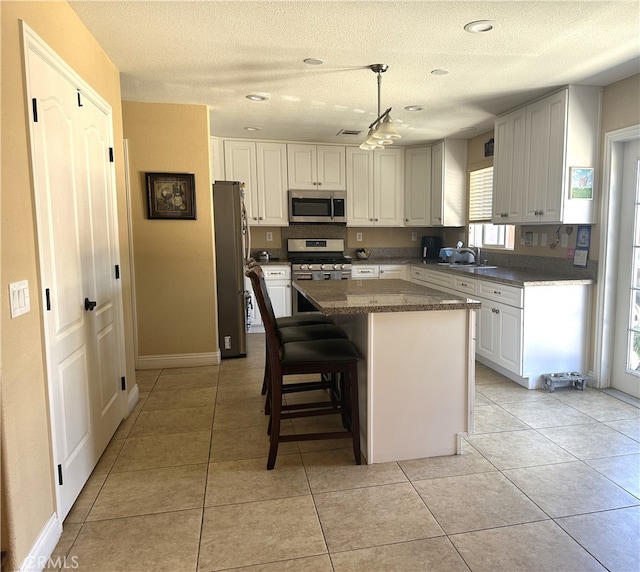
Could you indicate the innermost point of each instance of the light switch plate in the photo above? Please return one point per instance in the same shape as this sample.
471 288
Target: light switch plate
359 236
19 298
414 236
269 236
564 241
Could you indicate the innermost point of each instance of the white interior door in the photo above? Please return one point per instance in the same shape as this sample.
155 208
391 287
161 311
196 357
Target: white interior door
626 347
77 241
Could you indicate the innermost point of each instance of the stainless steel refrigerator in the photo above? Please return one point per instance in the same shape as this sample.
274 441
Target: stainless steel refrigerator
231 233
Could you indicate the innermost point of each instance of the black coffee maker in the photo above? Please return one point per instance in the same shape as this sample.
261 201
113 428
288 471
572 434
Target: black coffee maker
430 247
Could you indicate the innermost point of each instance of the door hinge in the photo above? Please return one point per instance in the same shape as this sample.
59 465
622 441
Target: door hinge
79 100
117 272
34 106
60 474
123 383
110 154
47 295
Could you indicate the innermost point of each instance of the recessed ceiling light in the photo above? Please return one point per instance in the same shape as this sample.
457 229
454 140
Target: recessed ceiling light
479 26
253 128
257 97
439 72
414 108
313 61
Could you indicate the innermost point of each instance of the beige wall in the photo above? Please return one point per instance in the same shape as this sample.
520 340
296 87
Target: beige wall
173 259
27 483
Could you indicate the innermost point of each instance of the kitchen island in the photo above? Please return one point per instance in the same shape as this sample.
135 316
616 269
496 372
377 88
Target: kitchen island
416 379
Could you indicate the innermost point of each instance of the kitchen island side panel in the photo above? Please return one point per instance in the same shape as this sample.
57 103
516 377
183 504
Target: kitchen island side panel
415 382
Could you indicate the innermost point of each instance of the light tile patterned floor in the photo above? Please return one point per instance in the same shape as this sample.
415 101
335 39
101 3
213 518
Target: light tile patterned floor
547 482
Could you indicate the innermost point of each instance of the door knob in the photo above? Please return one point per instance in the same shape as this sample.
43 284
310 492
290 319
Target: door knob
89 305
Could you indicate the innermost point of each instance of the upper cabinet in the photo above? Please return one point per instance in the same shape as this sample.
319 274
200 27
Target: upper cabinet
262 167
449 183
376 187
535 149
417 186
316 167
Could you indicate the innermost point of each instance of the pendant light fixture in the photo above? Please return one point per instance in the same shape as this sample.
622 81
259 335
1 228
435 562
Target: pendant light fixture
382 131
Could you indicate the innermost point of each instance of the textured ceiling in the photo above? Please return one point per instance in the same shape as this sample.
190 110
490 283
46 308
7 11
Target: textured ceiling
217 52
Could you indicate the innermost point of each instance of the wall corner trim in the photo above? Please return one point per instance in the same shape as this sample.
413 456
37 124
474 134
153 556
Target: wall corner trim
43 547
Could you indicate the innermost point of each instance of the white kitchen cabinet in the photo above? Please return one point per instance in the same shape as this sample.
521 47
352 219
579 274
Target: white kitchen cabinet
499 335
316 167
449 183
417 189
375 187
509 167
363 271
560 131
262 167
389 271
278 281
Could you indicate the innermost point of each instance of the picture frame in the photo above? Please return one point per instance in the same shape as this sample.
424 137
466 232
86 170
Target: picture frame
581 183
171 195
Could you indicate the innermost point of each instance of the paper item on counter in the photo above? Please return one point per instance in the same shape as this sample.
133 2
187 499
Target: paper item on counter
580 257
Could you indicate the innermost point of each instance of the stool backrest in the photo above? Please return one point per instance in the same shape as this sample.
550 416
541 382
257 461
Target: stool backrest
259 286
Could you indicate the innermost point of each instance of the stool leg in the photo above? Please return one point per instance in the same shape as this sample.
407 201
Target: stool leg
274 422
355 415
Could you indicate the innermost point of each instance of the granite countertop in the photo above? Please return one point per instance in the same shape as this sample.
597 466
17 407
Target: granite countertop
503 274
372 296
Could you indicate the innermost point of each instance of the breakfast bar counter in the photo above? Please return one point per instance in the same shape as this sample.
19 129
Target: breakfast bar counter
416 379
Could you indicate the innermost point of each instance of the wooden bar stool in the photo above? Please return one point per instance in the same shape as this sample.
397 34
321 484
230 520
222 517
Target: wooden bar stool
336 358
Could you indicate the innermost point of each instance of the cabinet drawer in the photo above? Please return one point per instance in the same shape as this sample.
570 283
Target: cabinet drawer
511 295
417 274
277 272
464 284
397 271
362 271
440 278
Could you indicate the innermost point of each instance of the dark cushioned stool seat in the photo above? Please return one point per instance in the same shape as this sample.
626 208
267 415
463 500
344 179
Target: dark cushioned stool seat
310 332
302 320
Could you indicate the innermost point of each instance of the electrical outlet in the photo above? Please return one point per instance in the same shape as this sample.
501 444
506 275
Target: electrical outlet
564 240
359 236
227 342
414 236
269 236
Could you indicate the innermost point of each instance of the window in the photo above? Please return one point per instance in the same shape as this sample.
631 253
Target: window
481 231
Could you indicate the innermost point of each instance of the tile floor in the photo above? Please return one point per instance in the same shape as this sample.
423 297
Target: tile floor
547 482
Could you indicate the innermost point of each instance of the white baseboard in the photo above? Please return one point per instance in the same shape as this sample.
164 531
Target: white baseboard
43 547
177 360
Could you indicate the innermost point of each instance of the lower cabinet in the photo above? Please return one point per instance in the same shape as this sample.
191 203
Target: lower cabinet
397 271
278 280
522 332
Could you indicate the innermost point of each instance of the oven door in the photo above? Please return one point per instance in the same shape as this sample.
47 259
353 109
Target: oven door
317 206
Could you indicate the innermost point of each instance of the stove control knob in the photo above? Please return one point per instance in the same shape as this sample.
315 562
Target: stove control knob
310 267
322 266
336 266
303 267
343 266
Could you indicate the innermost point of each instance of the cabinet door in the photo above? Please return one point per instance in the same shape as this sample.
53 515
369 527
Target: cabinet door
331 168
546 121
280 294
388 187
509 336
486 330
302 166
509 167
437 174
272 184
240 165
417 196
360 185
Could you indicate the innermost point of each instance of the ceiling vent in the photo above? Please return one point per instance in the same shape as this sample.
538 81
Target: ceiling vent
349 132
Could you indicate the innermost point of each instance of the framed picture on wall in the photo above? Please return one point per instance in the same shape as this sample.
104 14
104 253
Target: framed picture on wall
581 183
171 195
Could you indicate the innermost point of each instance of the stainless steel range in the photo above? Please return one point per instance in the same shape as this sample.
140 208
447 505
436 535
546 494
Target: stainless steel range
316 259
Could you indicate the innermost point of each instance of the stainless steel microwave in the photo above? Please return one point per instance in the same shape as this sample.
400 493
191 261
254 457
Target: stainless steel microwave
318 206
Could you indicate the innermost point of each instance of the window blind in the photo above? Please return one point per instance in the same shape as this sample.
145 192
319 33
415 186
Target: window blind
480 194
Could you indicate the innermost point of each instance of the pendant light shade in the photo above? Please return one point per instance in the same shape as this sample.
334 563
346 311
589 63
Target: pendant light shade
387 130
382 131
